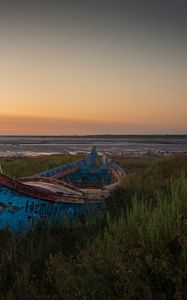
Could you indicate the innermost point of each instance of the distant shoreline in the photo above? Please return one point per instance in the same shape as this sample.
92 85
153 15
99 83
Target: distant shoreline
137 154
98 136
126 145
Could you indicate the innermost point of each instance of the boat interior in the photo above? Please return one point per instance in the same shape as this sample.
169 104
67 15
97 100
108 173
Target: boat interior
93 172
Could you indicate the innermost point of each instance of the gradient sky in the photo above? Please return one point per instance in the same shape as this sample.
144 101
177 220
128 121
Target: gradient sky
93 67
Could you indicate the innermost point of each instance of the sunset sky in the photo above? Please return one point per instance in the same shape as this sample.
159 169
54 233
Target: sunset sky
93 67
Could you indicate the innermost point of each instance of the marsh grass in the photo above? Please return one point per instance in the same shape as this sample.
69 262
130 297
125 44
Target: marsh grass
135 248
28 166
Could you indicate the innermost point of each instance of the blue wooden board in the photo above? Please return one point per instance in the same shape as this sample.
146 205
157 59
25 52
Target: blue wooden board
19 212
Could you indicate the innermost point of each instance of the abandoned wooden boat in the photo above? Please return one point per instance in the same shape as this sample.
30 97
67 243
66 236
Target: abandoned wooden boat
66 191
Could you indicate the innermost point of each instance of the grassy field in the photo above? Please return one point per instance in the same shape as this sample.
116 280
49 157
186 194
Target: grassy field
28 166
134 248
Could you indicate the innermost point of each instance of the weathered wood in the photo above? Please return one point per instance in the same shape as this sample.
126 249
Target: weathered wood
55 189
65 173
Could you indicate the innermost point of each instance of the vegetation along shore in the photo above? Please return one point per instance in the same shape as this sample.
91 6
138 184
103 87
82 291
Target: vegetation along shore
135 247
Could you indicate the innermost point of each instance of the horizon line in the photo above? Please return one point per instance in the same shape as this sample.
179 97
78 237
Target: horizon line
93 135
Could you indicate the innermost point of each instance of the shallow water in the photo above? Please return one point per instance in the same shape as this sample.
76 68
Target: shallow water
130 145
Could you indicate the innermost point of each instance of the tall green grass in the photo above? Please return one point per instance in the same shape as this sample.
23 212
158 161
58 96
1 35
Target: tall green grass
135 248
28 166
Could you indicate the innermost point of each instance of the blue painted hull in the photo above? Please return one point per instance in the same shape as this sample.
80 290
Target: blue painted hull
54 195
19 212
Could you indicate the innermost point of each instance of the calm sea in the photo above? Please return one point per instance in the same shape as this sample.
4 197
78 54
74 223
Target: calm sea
127 145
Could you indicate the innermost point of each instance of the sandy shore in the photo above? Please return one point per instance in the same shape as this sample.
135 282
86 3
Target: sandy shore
134 153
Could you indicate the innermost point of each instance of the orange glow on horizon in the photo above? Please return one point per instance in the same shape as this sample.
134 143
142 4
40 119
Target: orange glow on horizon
12 125
74 90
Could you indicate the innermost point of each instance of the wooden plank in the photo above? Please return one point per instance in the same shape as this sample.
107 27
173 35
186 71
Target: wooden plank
65 173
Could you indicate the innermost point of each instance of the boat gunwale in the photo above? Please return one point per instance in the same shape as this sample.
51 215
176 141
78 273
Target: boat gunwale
19 185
